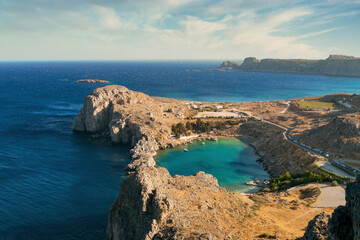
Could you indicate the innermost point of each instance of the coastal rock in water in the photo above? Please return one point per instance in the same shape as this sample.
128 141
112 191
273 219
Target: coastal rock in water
91 81
230 65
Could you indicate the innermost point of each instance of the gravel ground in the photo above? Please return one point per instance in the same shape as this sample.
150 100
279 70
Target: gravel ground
330 196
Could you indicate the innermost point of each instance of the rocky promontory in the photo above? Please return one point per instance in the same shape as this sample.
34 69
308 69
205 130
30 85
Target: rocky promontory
334 65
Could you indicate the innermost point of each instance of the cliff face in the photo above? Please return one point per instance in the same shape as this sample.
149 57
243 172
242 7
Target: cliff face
344 224
334 65
340 137
154 205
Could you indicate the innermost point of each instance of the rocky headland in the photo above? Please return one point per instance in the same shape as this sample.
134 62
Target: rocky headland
334 65
152 204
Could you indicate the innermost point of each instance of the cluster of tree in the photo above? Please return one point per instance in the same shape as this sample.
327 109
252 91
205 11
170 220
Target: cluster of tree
254 119
201 126
180 129
290 180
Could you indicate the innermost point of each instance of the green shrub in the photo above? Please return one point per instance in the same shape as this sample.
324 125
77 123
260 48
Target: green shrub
288 180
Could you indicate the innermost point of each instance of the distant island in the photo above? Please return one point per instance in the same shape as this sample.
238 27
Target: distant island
334 65
91 81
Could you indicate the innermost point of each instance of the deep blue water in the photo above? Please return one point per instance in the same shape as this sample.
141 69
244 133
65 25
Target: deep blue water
56 184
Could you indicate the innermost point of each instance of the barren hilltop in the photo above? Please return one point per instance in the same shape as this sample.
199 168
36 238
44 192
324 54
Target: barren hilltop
152 204
334 65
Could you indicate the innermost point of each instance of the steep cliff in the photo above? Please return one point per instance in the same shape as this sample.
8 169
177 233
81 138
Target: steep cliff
344 224
334 65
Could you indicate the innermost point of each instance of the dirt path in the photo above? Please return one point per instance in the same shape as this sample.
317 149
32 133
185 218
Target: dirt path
287 108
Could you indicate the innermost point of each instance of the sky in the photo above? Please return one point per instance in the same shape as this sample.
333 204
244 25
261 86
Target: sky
177 29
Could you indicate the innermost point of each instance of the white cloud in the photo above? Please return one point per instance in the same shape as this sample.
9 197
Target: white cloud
169 29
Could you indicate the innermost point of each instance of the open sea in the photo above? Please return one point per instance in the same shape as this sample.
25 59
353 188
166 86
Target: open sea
56 184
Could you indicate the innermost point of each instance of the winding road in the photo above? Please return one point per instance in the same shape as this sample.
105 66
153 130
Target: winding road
328 165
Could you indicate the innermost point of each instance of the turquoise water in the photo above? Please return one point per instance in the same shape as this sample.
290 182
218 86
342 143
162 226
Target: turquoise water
230 160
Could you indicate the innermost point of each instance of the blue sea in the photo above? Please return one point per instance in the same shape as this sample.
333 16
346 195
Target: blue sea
57 184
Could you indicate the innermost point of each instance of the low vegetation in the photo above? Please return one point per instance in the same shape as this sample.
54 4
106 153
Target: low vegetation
316 105
290 180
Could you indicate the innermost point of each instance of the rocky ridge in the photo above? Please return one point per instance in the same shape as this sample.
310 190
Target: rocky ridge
334 65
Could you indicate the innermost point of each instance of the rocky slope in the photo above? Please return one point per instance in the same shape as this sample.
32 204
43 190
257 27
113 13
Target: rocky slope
334 65
132 118
340 137
276 154
344 224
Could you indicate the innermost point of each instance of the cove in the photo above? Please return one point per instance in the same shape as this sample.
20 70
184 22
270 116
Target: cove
230 160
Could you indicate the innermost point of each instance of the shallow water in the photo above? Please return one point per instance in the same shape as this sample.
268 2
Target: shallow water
230 160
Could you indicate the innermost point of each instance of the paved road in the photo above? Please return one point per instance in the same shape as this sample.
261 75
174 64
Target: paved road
328 165
331 168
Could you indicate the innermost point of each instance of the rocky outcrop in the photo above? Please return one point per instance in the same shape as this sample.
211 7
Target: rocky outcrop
318 227
128 117
277 155
334 65
149 207
344 223
230 65
91 81
340 137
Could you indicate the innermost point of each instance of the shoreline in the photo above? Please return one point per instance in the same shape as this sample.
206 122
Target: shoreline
242 140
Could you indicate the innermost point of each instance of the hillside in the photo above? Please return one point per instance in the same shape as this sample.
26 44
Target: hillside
334 65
